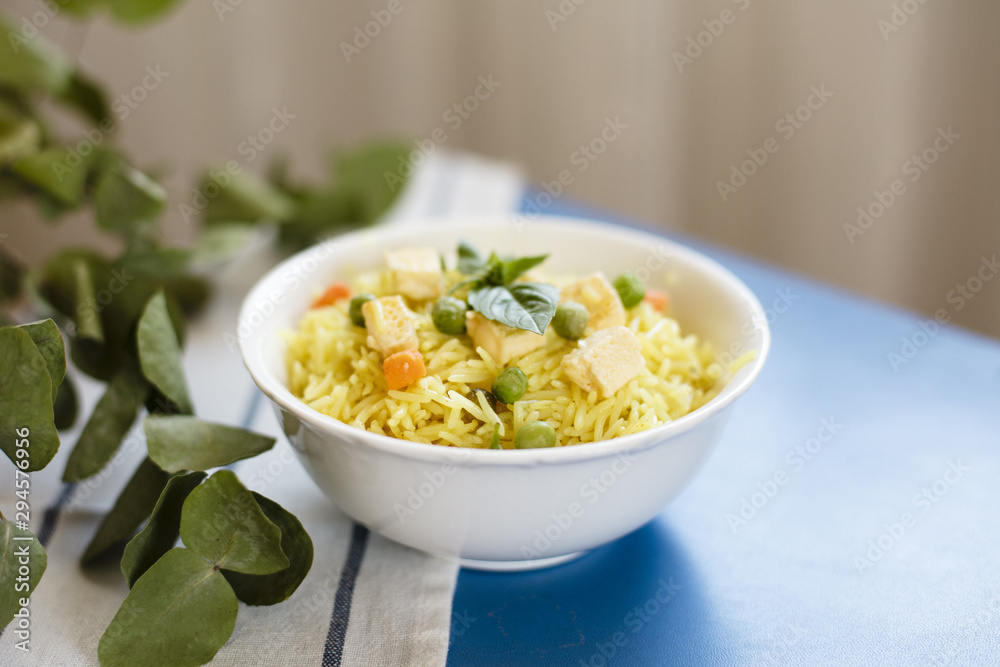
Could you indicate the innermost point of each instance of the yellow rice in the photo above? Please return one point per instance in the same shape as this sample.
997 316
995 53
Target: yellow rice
332 370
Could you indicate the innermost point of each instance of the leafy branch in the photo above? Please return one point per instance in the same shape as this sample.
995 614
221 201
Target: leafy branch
122 320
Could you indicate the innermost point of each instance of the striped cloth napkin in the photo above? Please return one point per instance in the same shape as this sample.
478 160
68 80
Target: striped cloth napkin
366 601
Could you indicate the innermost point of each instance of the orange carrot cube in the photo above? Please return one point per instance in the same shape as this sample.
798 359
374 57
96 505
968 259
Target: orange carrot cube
403 368
332 295
657 299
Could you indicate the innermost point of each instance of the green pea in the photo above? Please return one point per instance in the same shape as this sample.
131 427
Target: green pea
510 385
630 289
448 315
570 320
535 435
355 310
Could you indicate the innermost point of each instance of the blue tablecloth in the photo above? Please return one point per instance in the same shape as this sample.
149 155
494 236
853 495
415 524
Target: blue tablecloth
849 516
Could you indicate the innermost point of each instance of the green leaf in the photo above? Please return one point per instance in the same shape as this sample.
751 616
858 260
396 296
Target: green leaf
512 269
107 427
125 197
245 197
136 501
470 262
362 174
319 213
14 542
162 530
32 64
222 521
57 173
18 140
160 353
181 442
528 306
25 401
87 97
11 277
46 337
66 406
495 440
157 263
139 11
179 613
221 241
87 315
267 589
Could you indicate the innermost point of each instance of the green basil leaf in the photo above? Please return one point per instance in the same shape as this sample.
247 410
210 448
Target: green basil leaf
160 353
107 427
222 521
124 198
221 242
267 589
514 268
162 530
136 501
15 543
179 613
66 406
528 306
156 263
470 262
46 337
56 173
25 401
181 442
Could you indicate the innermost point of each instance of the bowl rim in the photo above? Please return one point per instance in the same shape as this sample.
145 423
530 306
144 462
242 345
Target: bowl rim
277 392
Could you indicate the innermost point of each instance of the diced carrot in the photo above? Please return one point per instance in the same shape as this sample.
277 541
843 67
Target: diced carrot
332 295
657 299
403 368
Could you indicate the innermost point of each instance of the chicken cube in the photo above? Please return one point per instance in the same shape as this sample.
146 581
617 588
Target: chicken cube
391 325
599 297
416 271
501 341
605 361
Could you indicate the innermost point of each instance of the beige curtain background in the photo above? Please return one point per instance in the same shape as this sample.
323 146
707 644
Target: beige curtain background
893 73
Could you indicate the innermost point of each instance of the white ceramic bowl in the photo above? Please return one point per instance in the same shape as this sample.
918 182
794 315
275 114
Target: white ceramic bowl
512 509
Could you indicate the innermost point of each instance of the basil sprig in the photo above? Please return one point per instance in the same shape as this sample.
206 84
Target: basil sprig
494 293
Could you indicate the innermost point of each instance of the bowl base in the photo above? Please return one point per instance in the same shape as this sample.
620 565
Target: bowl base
517 565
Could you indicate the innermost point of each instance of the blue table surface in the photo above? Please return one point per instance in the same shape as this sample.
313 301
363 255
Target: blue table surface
880 547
